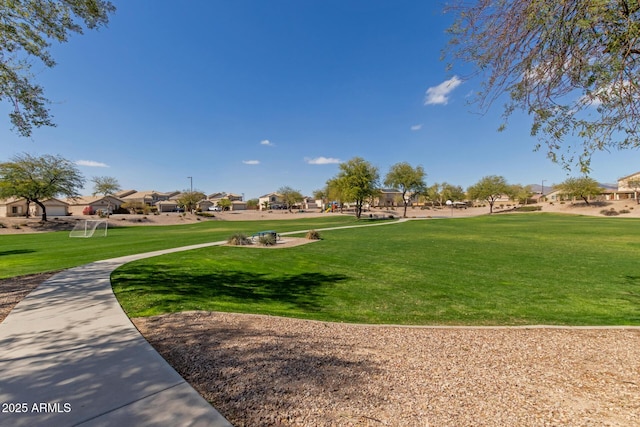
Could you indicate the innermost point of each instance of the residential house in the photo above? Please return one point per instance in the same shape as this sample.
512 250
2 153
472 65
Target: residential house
388 197
628 188
16 207
149 198
270 201
13 207
96 204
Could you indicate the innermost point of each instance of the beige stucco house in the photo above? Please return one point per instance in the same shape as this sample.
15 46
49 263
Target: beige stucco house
17 207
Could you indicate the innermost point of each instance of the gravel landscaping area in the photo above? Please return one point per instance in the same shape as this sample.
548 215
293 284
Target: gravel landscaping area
269 371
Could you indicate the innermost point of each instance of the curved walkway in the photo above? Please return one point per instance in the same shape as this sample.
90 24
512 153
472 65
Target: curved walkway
70 356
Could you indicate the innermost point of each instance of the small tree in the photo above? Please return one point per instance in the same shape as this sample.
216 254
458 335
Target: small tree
290 197
252 203
189 199
409 180
225 204
356 182
583 187
107 186
39 178
489 188
334 192
521 194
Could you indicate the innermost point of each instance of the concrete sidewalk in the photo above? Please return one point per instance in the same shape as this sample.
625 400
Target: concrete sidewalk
69 356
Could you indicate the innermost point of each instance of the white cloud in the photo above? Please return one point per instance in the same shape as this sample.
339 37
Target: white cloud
416 127
439 95
251 162
322 160
91 164
267 143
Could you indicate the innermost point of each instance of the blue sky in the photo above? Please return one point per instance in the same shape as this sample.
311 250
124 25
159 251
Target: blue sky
248 96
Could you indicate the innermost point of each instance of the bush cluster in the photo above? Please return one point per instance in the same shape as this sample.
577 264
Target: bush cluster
609 212
267 240
528 208
313 235
239 239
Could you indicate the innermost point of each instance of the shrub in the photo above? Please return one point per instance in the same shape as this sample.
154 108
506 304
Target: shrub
239 239
528 208
2 225
88 211
267 240
313 235
624 211
610 212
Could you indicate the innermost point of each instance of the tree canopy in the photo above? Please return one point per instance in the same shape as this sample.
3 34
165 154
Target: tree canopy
407 179
39 178
105 185
356 182
27 29
582 187
189 199
489 188
441 192
290 197
572 65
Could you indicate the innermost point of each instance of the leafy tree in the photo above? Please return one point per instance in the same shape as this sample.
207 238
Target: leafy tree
356 182
489 188
441 192
583 187
290 197
572 65
27 29
407 179
107 186
225 204
334 193
39 178
189 199
520 193
252 203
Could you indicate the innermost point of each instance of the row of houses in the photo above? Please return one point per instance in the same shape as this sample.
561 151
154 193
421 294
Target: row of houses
627 189
160 201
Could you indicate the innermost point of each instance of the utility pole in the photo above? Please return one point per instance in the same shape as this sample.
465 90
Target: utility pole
191 194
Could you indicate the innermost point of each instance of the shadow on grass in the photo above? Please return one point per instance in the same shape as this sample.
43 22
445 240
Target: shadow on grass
163 290
17 252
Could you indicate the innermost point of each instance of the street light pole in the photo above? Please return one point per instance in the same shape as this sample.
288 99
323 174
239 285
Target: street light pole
191 194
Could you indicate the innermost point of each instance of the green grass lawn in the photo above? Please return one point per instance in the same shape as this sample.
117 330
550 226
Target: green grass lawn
36 253
490 270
